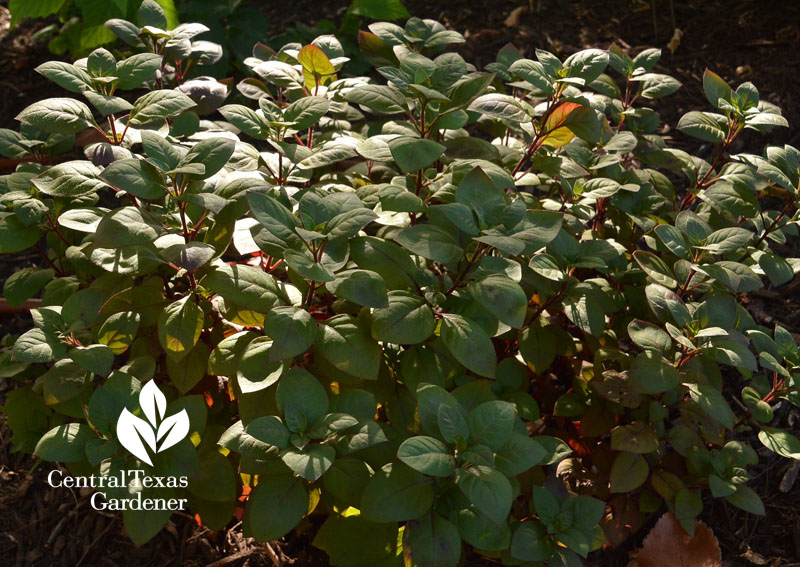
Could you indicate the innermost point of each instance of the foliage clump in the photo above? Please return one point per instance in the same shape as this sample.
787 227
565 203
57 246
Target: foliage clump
444 307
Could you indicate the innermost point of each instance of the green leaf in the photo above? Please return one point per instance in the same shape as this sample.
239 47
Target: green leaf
211 153
303 262
655 268
545 505
557 450
469 344
69 179
491 423
688 504
332 424
216 480
65 443
781 442
432 542
667 305
451 421
701 125
360 286
276 218
143 525
518 455
503 298
649 336
479 192
430 241
531 542
713 404
638 437
159 105
137 177
186 373
586 64
479 531
276 505
720 488
245 119
346 537
500 106
306 112
179 327
746 499
119 330
97 359
127 226
292 331
412 154
396 493
585 312
14 236
533 72
137 69
66 76
715 88
346 479
487 489
381 10
628 472
392 262
727 240
651 373
106 104
406 320
151 14
344 343
673 240
25 283
57 115
266 429
256 371
778 270
427 455
160 151
301 399
654 85
22 9
379 99
246 286
310 463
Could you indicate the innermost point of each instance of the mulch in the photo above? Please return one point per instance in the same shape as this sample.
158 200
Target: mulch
740 40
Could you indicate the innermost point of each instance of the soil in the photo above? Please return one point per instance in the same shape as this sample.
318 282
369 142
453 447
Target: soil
740 40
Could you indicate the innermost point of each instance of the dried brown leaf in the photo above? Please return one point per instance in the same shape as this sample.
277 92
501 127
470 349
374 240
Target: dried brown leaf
667 545
675 42
515 16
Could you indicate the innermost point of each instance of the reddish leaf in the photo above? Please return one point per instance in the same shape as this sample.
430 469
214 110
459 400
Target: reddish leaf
557 134
667 545
375 50
317 68
622 519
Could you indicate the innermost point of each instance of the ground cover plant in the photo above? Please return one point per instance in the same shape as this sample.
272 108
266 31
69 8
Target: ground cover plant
430 311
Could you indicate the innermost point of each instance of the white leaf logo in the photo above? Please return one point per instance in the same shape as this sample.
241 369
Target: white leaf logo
158 433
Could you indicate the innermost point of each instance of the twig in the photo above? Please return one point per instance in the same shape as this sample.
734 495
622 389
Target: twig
272 555
98 538
6 309
236 557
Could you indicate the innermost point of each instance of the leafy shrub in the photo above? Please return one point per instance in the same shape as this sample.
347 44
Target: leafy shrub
454 307
82 22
